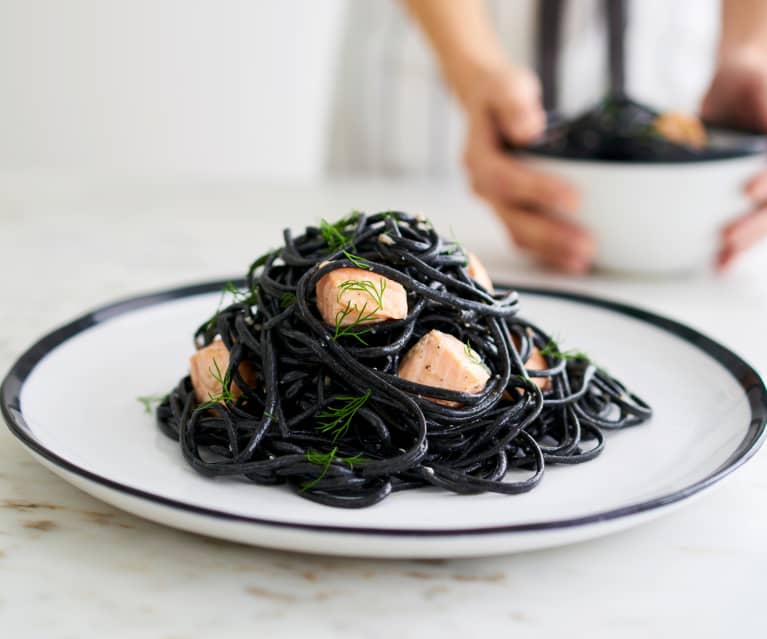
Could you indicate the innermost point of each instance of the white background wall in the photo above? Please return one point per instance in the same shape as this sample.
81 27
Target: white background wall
166 87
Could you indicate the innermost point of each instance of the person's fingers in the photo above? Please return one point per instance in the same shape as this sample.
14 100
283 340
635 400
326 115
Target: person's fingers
497 176
746 231
521 126
737 95
740 235
756 188
573 266
516 106
555 242
725 258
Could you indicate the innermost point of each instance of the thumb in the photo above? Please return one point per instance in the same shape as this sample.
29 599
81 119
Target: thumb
737 97
517 108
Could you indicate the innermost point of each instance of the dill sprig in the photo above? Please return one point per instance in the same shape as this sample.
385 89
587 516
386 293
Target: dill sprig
362 314
225 395
214 318
337 234
471 353
338 419
150 401
352 329
359 262
315 457
552 350
365 286
333 236
239 296
456 246
288 298
358 459
260 261
321 459
325 459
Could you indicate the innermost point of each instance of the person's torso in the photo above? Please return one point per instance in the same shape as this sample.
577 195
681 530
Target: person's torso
406 124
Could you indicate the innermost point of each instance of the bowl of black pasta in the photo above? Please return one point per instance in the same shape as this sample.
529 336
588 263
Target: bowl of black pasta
656 188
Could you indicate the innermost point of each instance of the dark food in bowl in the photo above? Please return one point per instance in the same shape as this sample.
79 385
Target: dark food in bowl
623 130
681 128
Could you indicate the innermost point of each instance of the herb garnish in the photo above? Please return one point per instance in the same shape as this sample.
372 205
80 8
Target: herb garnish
365 286
359 262
337 419
552 350
456 246
239 296
333 236
149 401
363 315
471 353
324 460
336 234
261 260
287 299
348 330
225 395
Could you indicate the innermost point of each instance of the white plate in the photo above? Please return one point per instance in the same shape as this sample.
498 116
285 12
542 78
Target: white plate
71 399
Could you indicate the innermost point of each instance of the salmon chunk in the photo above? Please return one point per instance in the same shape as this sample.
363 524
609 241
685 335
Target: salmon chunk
478 273
681 128
535 362
443 361
202 369
355 296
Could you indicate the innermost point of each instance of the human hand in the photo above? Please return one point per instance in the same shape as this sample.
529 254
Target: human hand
738 97
537 208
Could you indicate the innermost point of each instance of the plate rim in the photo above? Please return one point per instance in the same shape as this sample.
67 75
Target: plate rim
744 374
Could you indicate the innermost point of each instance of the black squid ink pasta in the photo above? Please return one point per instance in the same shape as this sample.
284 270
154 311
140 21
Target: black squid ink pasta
619 129
321 407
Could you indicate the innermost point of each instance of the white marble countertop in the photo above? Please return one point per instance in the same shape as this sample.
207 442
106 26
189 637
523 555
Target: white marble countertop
71 566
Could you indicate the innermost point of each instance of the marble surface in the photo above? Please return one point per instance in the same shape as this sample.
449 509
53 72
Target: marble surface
71 566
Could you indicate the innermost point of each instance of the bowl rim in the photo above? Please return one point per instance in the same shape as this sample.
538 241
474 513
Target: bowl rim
733 156
752 145
527 153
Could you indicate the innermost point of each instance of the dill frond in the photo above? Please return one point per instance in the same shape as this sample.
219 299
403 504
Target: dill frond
239 296
325 459
337 234
321 459
359 262
352 330
336 420
150 401
471 353
225 395
552 350
288 298
365 286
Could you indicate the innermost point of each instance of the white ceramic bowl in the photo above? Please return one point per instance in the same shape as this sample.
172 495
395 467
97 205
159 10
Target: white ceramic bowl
656 217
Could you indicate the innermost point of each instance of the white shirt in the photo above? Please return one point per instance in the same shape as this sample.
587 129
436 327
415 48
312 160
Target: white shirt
392 114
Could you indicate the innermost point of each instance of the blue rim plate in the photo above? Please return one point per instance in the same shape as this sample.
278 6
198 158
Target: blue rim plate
322 534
